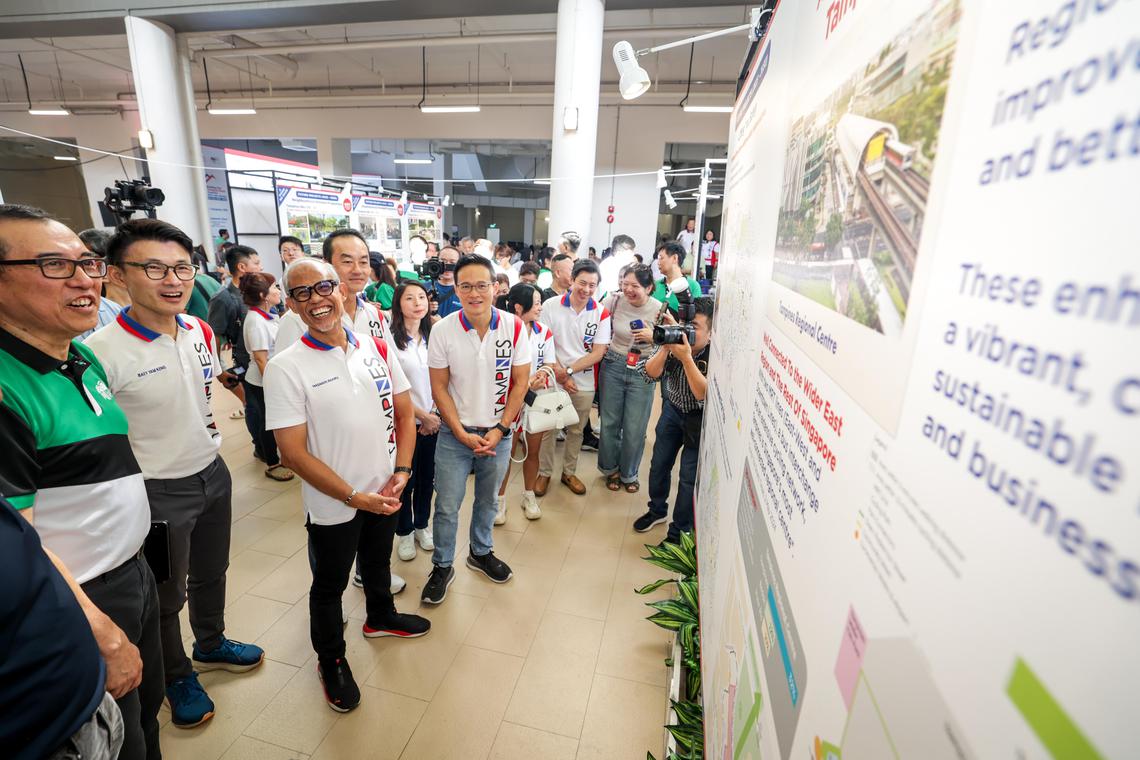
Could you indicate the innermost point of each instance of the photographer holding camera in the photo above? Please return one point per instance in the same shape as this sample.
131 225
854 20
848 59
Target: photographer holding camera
681 363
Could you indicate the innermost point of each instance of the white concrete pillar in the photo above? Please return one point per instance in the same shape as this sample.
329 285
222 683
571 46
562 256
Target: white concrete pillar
165 94
577 82
528 226
334 157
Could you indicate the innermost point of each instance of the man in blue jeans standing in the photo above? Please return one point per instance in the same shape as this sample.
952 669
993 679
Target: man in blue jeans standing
683 369
479 361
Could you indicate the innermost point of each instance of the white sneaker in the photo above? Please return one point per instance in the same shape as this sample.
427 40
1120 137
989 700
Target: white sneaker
530 506
406 547
425 539
398 584
501 515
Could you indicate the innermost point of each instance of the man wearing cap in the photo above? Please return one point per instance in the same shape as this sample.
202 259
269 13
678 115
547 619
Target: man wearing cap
342 412
160 365
66 463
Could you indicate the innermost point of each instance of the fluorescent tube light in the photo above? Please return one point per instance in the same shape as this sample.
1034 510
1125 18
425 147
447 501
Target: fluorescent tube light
449 109
48 111
413 161
65 158
542 182
215 111
707 109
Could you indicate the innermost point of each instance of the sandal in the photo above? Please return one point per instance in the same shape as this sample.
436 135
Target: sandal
633 487
613 482
279 472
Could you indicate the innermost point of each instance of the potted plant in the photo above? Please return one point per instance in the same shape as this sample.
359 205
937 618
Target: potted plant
681 615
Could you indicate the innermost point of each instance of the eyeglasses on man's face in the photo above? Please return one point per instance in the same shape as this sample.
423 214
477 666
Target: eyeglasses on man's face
155 270
478 287
61 267
305 292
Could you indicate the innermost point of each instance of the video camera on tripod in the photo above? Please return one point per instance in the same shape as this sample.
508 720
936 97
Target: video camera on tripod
686 310
127 197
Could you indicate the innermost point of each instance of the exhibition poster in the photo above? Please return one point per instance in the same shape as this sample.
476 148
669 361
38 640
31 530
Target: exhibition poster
918 512
312 213
425 220
378 219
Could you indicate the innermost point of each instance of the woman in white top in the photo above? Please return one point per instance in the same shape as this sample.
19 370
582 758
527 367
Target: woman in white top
411 326
525 302
260 292
626 399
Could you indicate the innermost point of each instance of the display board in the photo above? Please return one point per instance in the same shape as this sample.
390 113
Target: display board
380 221
311 214
425 220
217 192
918 510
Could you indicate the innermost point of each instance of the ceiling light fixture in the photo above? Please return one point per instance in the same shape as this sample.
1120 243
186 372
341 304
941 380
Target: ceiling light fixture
43 110
635 80
669 200
413 161
706 109
423 94
661 181
65 158
570 118
446 200
542 182
146 139
221 110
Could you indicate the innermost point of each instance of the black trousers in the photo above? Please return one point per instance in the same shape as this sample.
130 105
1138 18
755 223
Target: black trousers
415 501
368 538
264 442
128 596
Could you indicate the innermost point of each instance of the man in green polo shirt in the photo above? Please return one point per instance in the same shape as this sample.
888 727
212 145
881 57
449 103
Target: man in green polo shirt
67 464
670 259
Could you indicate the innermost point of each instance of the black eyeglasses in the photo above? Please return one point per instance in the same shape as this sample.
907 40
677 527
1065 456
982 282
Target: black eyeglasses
156 271
60 268
305 292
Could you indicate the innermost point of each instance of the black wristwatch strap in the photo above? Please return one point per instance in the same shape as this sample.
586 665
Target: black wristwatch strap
502 428
401 468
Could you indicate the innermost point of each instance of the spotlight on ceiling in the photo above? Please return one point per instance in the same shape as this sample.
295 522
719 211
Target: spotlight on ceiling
634 80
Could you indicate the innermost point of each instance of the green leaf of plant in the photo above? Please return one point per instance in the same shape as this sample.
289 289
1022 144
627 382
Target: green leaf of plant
687 590
664 620
649 588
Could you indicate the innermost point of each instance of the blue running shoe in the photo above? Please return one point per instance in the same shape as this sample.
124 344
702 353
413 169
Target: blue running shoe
231 655
190 705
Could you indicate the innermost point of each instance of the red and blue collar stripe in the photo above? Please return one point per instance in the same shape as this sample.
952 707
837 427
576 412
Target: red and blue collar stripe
256 310
468 327
591 304
140 331
312 342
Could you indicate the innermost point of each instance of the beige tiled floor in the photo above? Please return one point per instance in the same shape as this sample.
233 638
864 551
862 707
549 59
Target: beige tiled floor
557 664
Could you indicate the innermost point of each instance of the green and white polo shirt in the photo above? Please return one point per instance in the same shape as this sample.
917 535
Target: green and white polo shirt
66 453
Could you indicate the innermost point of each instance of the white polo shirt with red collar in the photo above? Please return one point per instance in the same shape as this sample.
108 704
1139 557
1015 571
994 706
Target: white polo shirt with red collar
575 333
480 380
260 333
347 400
163 386
542 349
369 320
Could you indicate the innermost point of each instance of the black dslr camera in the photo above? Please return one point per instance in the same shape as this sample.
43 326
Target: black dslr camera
127 197
664 335
431 269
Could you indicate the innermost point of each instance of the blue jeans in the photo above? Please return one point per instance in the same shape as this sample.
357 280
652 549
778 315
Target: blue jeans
453 463
627 401
670 441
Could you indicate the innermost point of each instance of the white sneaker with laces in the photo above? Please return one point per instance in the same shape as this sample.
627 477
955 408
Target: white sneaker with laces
398 584
406 547
501 515
425 539
530 506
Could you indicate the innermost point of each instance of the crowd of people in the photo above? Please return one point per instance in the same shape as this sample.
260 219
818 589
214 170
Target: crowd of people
381 390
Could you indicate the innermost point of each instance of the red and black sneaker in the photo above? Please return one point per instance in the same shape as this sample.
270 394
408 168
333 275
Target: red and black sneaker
400 626
341 691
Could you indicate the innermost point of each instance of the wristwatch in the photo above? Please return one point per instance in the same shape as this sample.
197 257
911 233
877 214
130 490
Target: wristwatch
348 499
502 429
401 468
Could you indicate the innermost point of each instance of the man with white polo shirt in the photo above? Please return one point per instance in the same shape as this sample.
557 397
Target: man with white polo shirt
160 364
582 330
344 420
347 251
479 362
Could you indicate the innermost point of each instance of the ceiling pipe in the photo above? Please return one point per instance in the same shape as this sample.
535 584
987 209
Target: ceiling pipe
440 41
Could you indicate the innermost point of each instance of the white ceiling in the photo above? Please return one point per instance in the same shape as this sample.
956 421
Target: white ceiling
97 70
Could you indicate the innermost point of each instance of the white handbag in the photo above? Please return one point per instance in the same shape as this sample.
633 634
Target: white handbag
551 409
